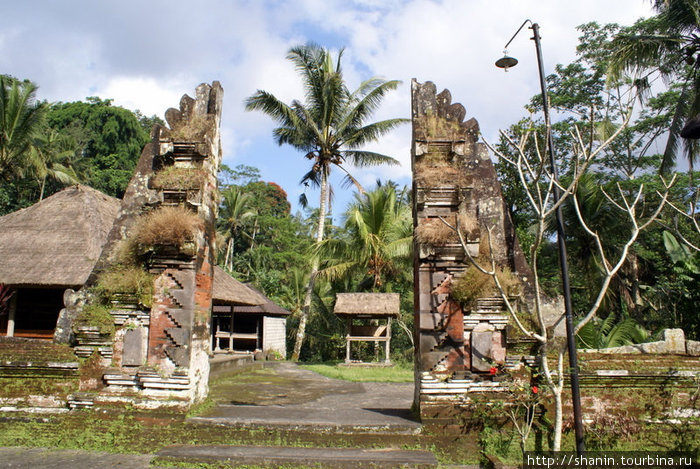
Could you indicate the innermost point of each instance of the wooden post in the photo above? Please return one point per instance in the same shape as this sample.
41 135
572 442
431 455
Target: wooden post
217 321
257 334
388 340
230 333
11 315
347 339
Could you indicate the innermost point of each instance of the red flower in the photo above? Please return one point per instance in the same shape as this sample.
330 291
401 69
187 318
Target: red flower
493 370
535 389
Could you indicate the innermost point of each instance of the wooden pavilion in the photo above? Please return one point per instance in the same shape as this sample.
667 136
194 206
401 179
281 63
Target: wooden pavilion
363 314
244 319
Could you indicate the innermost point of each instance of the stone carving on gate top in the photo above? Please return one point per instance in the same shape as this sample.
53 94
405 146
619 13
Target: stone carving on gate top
455 182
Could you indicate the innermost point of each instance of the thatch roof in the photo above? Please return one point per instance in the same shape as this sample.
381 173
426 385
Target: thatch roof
373 305
269 308
57 241
228 290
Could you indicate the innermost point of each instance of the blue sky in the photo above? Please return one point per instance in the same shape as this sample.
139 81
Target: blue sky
146 54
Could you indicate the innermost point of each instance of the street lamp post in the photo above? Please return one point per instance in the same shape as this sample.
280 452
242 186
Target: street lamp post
505 63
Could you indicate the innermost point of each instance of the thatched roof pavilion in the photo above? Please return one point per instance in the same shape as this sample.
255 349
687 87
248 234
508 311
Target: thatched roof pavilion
56 242
367 305
269 307
228 290
54 245
361 308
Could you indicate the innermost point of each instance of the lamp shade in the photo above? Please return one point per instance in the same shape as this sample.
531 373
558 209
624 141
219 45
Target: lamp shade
506 62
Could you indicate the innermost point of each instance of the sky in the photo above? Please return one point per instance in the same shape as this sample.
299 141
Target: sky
146 54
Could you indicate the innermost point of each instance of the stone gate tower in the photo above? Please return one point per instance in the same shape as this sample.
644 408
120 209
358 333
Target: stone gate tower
161 346
454 180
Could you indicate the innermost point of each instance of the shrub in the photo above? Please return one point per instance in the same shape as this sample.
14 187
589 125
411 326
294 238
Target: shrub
129 280
170 226
95 315
172 177
475 284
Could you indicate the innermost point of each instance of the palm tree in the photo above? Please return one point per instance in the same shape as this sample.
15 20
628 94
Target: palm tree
670 44
53 156
235 209
379 240
21 119
330 130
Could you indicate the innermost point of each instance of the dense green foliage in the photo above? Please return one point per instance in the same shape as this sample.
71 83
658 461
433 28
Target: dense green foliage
21 121
667 44
271 248
112 137
52 145
330 129
651 290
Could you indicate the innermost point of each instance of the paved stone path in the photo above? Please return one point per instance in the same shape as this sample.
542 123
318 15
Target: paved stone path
43 458
331 457
304 399
287 397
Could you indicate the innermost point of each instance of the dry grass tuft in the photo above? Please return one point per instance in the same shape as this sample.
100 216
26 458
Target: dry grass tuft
475 284
435 173
172 177
170 226
434 231
194 130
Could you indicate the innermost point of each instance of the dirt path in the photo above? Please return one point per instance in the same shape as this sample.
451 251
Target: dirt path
283 395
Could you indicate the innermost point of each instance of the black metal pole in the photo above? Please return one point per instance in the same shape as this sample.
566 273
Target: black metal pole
573 361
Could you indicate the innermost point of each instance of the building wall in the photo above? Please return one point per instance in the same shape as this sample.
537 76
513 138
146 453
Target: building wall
274 334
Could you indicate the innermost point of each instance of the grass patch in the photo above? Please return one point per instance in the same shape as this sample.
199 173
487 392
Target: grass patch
174 178
379 374
95 315
131 280
23 387
130 432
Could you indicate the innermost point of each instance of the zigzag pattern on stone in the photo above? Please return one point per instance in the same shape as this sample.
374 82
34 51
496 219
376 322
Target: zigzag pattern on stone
179 314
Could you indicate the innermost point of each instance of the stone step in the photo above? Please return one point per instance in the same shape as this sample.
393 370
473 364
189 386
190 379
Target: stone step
274 456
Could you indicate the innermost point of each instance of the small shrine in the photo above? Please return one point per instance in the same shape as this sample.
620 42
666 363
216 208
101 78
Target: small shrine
368 319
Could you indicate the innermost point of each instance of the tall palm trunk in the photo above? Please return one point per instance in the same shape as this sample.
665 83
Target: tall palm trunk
228 261
306 309
43 184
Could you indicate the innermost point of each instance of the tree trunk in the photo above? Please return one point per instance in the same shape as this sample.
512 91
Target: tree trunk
558 419
306 309
43 183
228 262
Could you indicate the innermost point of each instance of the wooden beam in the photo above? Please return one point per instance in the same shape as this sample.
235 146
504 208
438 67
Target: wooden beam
388 340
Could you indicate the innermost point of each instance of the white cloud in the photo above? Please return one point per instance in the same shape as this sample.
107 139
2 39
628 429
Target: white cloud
147 94
145 55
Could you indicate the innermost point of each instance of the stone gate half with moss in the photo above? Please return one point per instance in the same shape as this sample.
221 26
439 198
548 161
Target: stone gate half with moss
461 345
159 255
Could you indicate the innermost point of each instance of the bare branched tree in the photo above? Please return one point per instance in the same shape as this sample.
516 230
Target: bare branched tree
691 215
536 179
